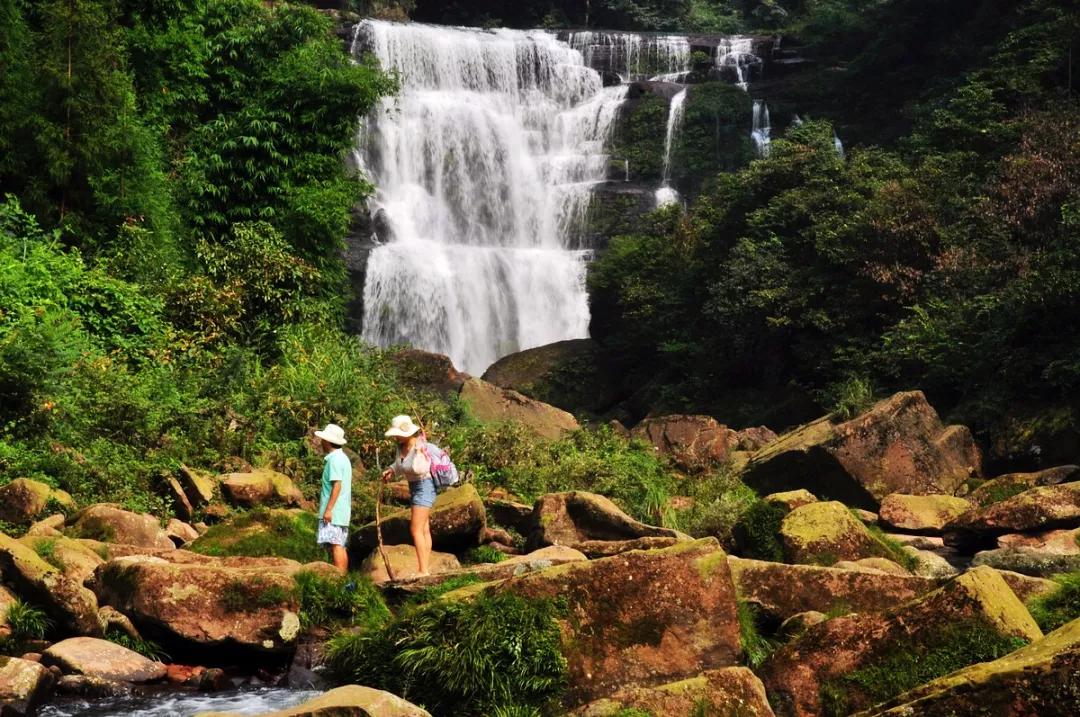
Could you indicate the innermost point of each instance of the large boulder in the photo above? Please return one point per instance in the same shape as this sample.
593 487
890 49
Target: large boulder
110 523
921 513
853 661
694 442
23 686
727 692
575 518
102 659
402 559
262 487
783 590
1006 486
1036 509
489 403
573 375
899 446
641 618
823 533
1028 561
24 500
72 557
491 572
247 605
72 606
426 371
457 522
1041 679
347 701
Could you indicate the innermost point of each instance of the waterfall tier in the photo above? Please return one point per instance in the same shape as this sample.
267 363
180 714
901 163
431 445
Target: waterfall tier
483 166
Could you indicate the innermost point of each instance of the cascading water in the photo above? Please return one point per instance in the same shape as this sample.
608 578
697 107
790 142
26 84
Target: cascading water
633 56
667 194
737 53
483 165
761 129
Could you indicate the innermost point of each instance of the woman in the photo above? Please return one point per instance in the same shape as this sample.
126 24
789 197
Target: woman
413 464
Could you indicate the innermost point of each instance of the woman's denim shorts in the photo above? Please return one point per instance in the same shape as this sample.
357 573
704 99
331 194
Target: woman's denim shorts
422 492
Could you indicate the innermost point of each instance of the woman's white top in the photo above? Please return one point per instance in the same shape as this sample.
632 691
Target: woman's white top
413 466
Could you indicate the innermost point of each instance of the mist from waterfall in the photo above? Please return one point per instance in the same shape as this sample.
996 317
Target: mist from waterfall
483 165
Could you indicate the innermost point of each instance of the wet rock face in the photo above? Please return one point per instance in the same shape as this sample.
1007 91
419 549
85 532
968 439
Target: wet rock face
643 617
820 663
727 692
244 604
899 446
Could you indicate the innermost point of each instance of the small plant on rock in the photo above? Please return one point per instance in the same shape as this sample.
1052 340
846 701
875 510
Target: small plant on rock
484 554
27 621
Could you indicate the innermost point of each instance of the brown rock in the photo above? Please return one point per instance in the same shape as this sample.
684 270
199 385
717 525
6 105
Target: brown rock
181 504
50 527
693 442
1027 587
1062 542
183 674
508 513
823 533
791 499
641 618
397 493
7 599
1008 485
1036 509
91 687
180 532
784 590
103 659
727 692
799 623
23 686
262 487
244 603
23 500
1029 561
880 565
71 557
921 513
112 524
818 660
199 486
69 604
898 446
490 403
1042 679
457 523
929 564
607 548
427 371
112 619
577 517
403 562
348 701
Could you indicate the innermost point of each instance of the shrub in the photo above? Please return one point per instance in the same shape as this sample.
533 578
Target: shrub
850 397
352 599
720 503
1059 607
759 532
484 554
756 647
461 657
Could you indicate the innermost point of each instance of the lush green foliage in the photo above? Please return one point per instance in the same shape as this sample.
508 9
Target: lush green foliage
484 554
27 622
756 647
1059 607
351 599
262 533
466 657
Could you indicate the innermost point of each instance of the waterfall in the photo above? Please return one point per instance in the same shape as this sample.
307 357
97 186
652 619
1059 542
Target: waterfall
838 144
761 128
633 56
737 53
666 194
483 166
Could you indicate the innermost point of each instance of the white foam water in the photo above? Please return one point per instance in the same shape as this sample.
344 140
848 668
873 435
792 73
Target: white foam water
634 56
666 194
761 128
483 166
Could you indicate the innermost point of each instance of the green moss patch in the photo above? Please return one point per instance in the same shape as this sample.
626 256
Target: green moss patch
263 533
332 599
1059 607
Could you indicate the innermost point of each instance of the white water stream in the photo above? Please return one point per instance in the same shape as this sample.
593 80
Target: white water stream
483 164
666 194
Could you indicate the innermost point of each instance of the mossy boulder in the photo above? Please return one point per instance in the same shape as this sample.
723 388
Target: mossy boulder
783 590
74 558
921 513
457 523
851 662
109 523
572 375
641 618
261 488
898 446
489 403
789 500
244 605
23 501
199 486
578 519
102 659
71 606
1036 509
727 692
278 532
347 701
24 685
1041 679
823 533
402 559
694 442
426 371
1006 486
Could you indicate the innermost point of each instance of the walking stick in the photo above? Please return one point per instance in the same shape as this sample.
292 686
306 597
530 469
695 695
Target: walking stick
378 519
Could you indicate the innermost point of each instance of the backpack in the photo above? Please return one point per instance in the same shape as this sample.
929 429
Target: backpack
443 470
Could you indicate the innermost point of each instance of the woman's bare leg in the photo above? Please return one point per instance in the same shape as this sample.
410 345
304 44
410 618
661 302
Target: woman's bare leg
420 527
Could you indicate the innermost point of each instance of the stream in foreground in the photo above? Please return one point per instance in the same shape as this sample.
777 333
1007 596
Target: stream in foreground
176 703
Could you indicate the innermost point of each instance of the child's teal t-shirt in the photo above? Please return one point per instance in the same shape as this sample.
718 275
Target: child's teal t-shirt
336 467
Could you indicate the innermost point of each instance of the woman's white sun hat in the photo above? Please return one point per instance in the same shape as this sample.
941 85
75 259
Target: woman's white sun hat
401 426
332 433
